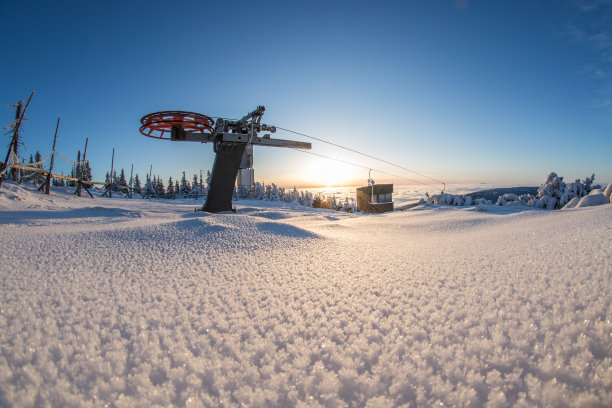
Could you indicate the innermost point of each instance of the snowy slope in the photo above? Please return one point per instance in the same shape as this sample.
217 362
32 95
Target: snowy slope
143 303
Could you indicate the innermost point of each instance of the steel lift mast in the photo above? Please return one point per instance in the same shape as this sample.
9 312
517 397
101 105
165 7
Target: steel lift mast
232 140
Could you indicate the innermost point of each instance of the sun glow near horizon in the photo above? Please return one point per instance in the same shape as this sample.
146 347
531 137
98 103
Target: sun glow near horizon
327 173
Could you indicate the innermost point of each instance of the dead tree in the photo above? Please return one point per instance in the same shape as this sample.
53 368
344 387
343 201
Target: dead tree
19 116
46 186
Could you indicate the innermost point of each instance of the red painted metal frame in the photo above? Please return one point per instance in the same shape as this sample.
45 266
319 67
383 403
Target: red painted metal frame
159 125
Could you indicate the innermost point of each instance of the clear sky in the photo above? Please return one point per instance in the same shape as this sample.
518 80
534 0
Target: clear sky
463 91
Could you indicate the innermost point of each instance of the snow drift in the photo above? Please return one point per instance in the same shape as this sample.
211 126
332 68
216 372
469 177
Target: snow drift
134 303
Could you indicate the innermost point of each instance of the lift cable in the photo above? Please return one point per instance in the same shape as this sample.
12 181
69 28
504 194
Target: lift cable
367 155
364 167
358 152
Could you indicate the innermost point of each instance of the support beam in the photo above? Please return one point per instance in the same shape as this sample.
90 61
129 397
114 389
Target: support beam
223 179
242 138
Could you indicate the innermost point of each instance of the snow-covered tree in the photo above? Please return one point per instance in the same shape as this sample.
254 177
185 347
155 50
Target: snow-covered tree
320 201
137 186
160 188
184 188
257 193
197 191
87 171
38 176
149 189
122 182
170 193
27 175
349 205
555 193
306 198
208 176
58 182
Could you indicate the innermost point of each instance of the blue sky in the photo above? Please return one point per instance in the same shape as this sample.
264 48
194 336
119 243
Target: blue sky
463 91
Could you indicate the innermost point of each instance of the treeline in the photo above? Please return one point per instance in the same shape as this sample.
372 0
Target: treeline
154 187
271 192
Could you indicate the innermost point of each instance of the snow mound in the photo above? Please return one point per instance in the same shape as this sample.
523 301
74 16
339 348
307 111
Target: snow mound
592 200
278 228
608 192
572 203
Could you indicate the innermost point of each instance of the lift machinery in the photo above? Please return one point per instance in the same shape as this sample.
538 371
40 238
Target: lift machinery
232 140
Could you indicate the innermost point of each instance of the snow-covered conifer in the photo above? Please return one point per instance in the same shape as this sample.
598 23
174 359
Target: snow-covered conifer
259 193
307 199
122 182
184 188
137 185
197 190
294 195
208 176
149 189
87 171
274 196
170 193
160 188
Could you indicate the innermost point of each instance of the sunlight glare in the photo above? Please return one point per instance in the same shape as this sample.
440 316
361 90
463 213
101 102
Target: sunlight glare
327 173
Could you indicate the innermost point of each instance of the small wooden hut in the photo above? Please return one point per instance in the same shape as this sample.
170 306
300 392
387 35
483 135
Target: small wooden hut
376 198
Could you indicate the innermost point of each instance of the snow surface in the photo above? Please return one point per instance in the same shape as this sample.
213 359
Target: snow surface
140 303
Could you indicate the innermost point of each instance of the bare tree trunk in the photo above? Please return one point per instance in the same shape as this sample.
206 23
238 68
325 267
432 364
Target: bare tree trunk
47 184
19 115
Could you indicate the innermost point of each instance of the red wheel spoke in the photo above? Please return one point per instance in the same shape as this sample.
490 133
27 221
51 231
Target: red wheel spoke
159 125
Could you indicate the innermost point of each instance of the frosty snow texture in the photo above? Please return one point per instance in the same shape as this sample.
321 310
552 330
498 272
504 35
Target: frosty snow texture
139 303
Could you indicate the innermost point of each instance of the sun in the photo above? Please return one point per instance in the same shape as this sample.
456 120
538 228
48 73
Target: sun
327 173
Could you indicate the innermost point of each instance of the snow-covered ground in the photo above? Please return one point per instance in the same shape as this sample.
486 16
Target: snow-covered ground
128 303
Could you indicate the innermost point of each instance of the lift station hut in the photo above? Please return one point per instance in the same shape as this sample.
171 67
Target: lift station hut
375 198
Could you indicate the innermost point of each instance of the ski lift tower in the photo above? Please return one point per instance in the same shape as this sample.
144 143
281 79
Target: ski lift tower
232 140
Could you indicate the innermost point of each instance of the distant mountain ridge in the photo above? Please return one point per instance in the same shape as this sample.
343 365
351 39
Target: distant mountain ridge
494 193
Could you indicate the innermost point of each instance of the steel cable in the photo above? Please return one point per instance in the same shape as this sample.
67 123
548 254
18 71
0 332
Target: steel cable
370 156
